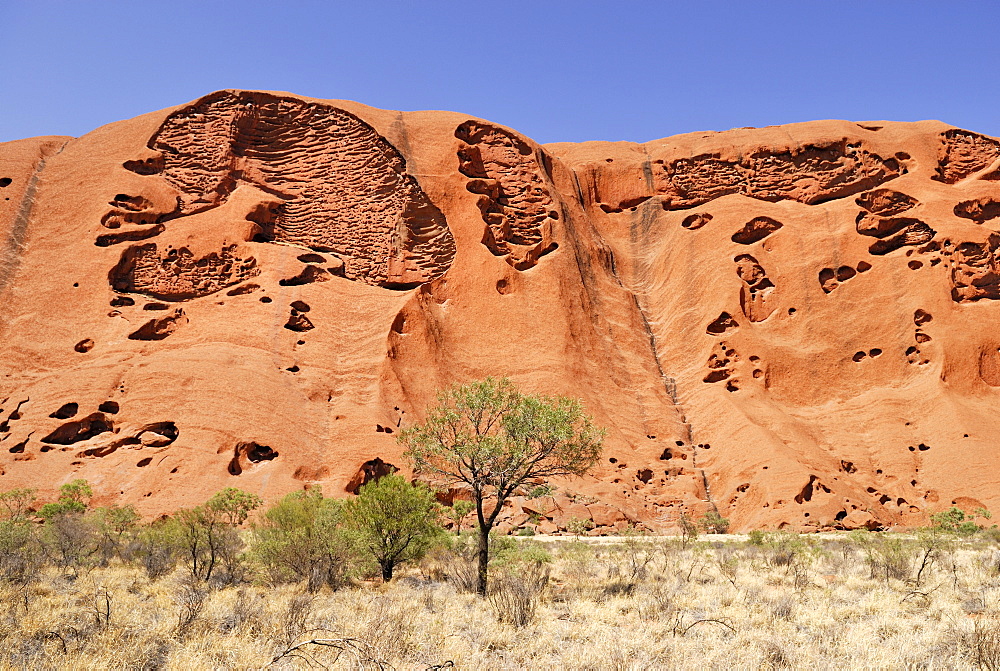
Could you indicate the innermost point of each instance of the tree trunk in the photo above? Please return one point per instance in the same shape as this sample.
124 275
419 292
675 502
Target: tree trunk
387 571
483 550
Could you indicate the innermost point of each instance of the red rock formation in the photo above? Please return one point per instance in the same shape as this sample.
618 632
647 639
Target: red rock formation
790 325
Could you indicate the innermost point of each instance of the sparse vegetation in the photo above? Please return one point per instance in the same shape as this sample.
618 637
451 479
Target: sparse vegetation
494 440
307 591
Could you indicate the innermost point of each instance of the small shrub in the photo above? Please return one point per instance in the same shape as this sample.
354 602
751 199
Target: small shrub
714 523
515 594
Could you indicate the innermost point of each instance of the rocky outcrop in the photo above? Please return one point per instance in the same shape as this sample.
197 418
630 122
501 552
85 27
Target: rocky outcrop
792 326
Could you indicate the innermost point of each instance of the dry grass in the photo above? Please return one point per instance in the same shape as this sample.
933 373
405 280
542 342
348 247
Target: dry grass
638 603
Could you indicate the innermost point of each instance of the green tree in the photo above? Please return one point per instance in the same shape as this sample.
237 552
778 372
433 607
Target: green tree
393 521
74 497
116 525
208 534
17 502
714 523
955 520
457 512
494 439
300 538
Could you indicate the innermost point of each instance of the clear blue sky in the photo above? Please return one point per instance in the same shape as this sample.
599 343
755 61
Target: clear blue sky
556 71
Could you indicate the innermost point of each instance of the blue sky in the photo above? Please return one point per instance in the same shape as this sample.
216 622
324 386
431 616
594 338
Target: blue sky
556 71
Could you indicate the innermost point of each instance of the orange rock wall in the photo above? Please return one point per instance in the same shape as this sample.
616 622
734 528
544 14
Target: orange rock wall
791 325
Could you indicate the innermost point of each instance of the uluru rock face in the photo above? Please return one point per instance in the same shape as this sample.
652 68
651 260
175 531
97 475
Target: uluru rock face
796 326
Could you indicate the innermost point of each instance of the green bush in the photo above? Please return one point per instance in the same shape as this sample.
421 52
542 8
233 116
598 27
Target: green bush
209 538
393 522
956 521
301 539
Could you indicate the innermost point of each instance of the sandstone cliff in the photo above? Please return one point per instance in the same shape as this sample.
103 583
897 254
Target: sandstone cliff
793 325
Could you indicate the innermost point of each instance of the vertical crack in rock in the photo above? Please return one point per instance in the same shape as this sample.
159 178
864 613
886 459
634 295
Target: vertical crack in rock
339 187
811 174
11 254
515 203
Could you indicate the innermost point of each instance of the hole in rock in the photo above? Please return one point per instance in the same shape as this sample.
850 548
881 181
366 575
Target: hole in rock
158 329
110 407
758 373
369 472
308 275
644 475
311 258
874 352
158 434
612 460
155 306
724 323
694 221
122 301
174 469
144 462
840 516
732 386
80 430
19 448
807 491
243 289
858 356
300 306
915 265
298 323
292 369
265 299
667 454
247 454
864 266
756 230
716 376
503 287
5 181
66 411
921 317
827 280
845 273
791 311
923 448
84 345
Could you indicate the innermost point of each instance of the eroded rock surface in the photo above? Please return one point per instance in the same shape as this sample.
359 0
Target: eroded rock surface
793 326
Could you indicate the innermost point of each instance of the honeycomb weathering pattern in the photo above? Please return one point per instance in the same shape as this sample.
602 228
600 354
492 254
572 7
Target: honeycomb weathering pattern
343 188
176 275
811 174
964 153
770 354
515 201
